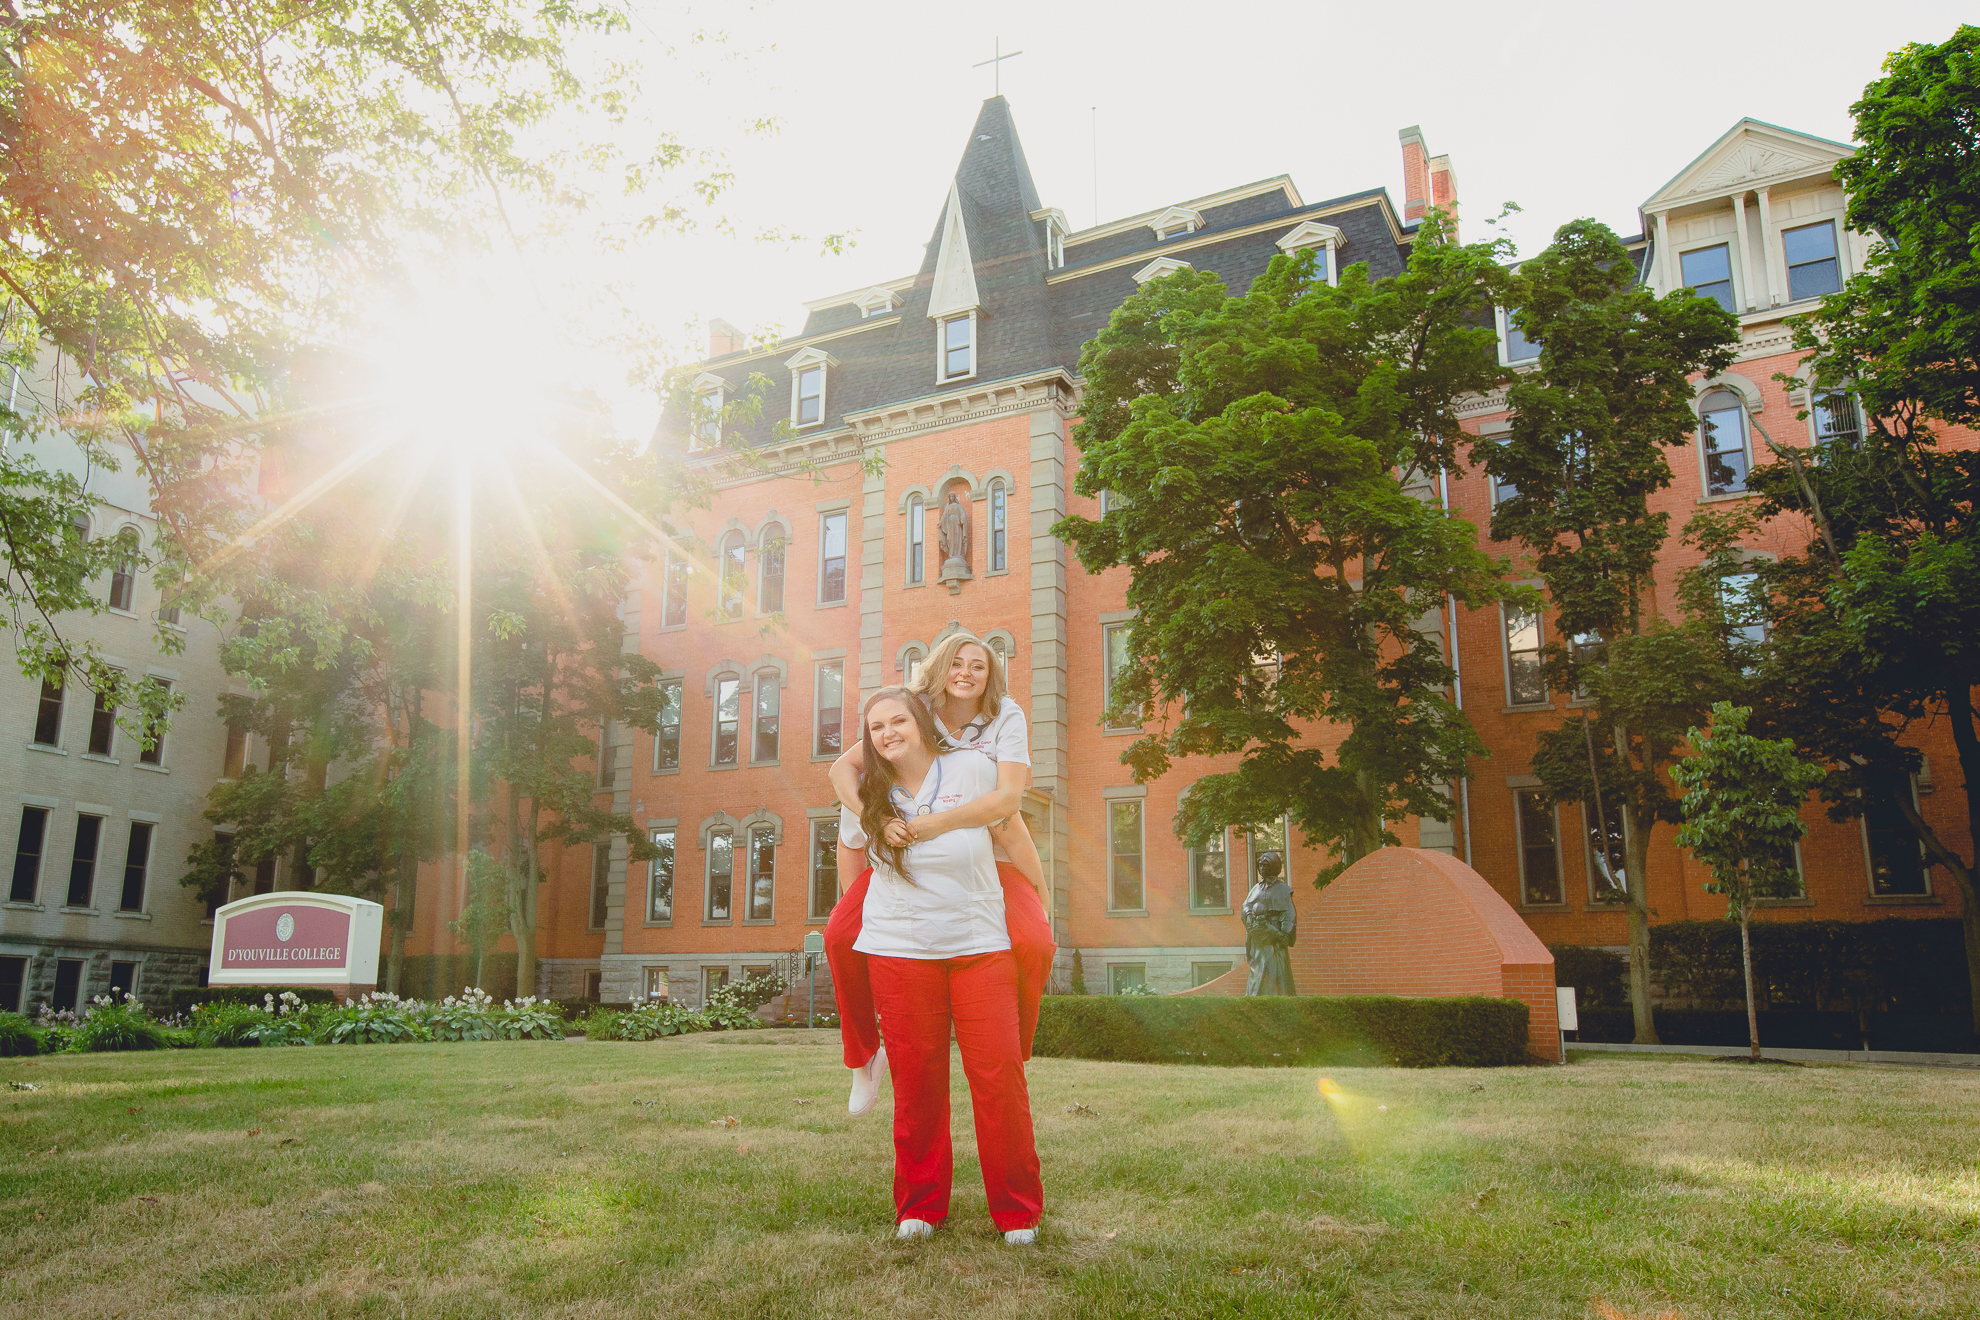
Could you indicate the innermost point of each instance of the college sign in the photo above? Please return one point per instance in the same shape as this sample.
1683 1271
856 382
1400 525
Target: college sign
296 939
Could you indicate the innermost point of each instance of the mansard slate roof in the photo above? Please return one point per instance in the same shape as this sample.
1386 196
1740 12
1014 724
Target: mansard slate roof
1033 319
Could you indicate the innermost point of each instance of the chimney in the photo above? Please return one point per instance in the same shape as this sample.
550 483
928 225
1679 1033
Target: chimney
1443 190
1416 174
723 338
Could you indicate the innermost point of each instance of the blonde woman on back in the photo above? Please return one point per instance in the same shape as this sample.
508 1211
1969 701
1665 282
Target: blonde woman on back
962 686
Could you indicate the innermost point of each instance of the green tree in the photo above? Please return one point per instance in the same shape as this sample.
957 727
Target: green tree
191 190
1742 818
484 916
1587 449
1872 624
1264 455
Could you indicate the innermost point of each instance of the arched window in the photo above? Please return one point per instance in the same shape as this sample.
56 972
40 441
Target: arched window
760 903
917 539
911 663
999 527
1722 437
728 716
123 578
769 703
770 573
721 874
734 574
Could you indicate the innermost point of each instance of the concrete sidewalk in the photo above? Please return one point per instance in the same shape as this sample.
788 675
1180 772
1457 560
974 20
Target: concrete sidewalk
1908 1057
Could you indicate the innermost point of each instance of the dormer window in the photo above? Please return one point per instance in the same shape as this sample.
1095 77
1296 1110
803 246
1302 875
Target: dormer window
1322 241
1518 347
1708 273
808 370
1159 267
958 346
1176 222
1056 230
710 393
1812 267
810 396
876 301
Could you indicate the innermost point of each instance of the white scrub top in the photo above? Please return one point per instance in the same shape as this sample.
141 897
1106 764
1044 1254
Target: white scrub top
1003 737
955 907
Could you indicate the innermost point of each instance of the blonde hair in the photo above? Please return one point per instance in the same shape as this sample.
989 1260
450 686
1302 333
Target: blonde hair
934 673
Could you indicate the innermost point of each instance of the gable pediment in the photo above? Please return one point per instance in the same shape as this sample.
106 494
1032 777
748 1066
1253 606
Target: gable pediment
1751 155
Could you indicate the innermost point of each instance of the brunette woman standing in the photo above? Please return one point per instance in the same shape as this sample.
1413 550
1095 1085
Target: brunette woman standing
962 684
939 960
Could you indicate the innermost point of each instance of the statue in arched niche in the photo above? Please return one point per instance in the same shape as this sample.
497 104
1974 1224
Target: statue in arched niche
952 533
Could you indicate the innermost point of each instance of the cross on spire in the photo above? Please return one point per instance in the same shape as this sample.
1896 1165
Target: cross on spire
997 66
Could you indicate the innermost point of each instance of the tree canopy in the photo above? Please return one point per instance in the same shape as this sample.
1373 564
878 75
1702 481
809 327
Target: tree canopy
1270 464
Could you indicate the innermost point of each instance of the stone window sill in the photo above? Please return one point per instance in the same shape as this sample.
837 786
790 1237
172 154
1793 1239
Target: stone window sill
723 921
1545 907
79 912
45 749
1903 900
1128 912
1135 732
1211 912
759 921
670 770
101 758
668 924
154 769
23 907
132 916
830 605
1547 709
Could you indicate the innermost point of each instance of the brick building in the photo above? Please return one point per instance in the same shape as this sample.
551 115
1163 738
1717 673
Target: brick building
815 577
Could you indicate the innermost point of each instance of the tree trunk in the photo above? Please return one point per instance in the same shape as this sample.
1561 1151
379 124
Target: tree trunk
405 893
1967 740
1636 861
1746 961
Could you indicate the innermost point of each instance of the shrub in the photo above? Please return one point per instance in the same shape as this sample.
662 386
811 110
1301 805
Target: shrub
374 1019
185 997
1600 977
529 1018
18 1036
600 1023
733 1007
646 1022
117 1024
1078 974
1283 1031
1904 964
226 1026
466 1017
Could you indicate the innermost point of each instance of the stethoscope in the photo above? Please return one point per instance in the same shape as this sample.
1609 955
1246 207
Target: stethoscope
923 808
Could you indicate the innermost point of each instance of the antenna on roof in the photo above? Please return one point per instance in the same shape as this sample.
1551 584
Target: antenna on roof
996 63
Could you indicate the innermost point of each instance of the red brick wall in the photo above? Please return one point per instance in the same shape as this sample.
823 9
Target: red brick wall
1404 921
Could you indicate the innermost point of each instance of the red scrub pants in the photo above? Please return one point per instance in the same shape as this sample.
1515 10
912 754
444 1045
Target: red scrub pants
921 1000
1031 944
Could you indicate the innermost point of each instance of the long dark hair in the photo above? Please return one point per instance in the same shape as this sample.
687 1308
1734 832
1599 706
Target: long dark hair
877 784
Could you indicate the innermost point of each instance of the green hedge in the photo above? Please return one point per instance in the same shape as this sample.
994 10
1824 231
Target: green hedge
20 1036
1905 965
186 996
1274 1031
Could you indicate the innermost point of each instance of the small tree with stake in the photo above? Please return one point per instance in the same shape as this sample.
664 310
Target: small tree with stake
1742 818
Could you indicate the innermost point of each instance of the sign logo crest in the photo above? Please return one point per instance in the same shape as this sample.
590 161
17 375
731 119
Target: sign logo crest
285 926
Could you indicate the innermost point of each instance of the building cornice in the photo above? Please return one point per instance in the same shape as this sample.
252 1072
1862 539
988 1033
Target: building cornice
1175 245
1277 183
803 341
979 401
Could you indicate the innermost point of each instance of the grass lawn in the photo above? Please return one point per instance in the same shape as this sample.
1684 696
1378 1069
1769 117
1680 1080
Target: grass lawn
592 1179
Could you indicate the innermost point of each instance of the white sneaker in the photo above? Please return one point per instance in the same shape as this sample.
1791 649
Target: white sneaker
910 1229
866 1087
1021 1237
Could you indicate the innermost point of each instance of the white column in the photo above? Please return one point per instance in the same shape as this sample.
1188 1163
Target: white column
1666 260
1770 243
1749 288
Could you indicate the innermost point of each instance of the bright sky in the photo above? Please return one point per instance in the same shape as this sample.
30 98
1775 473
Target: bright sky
1569 109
